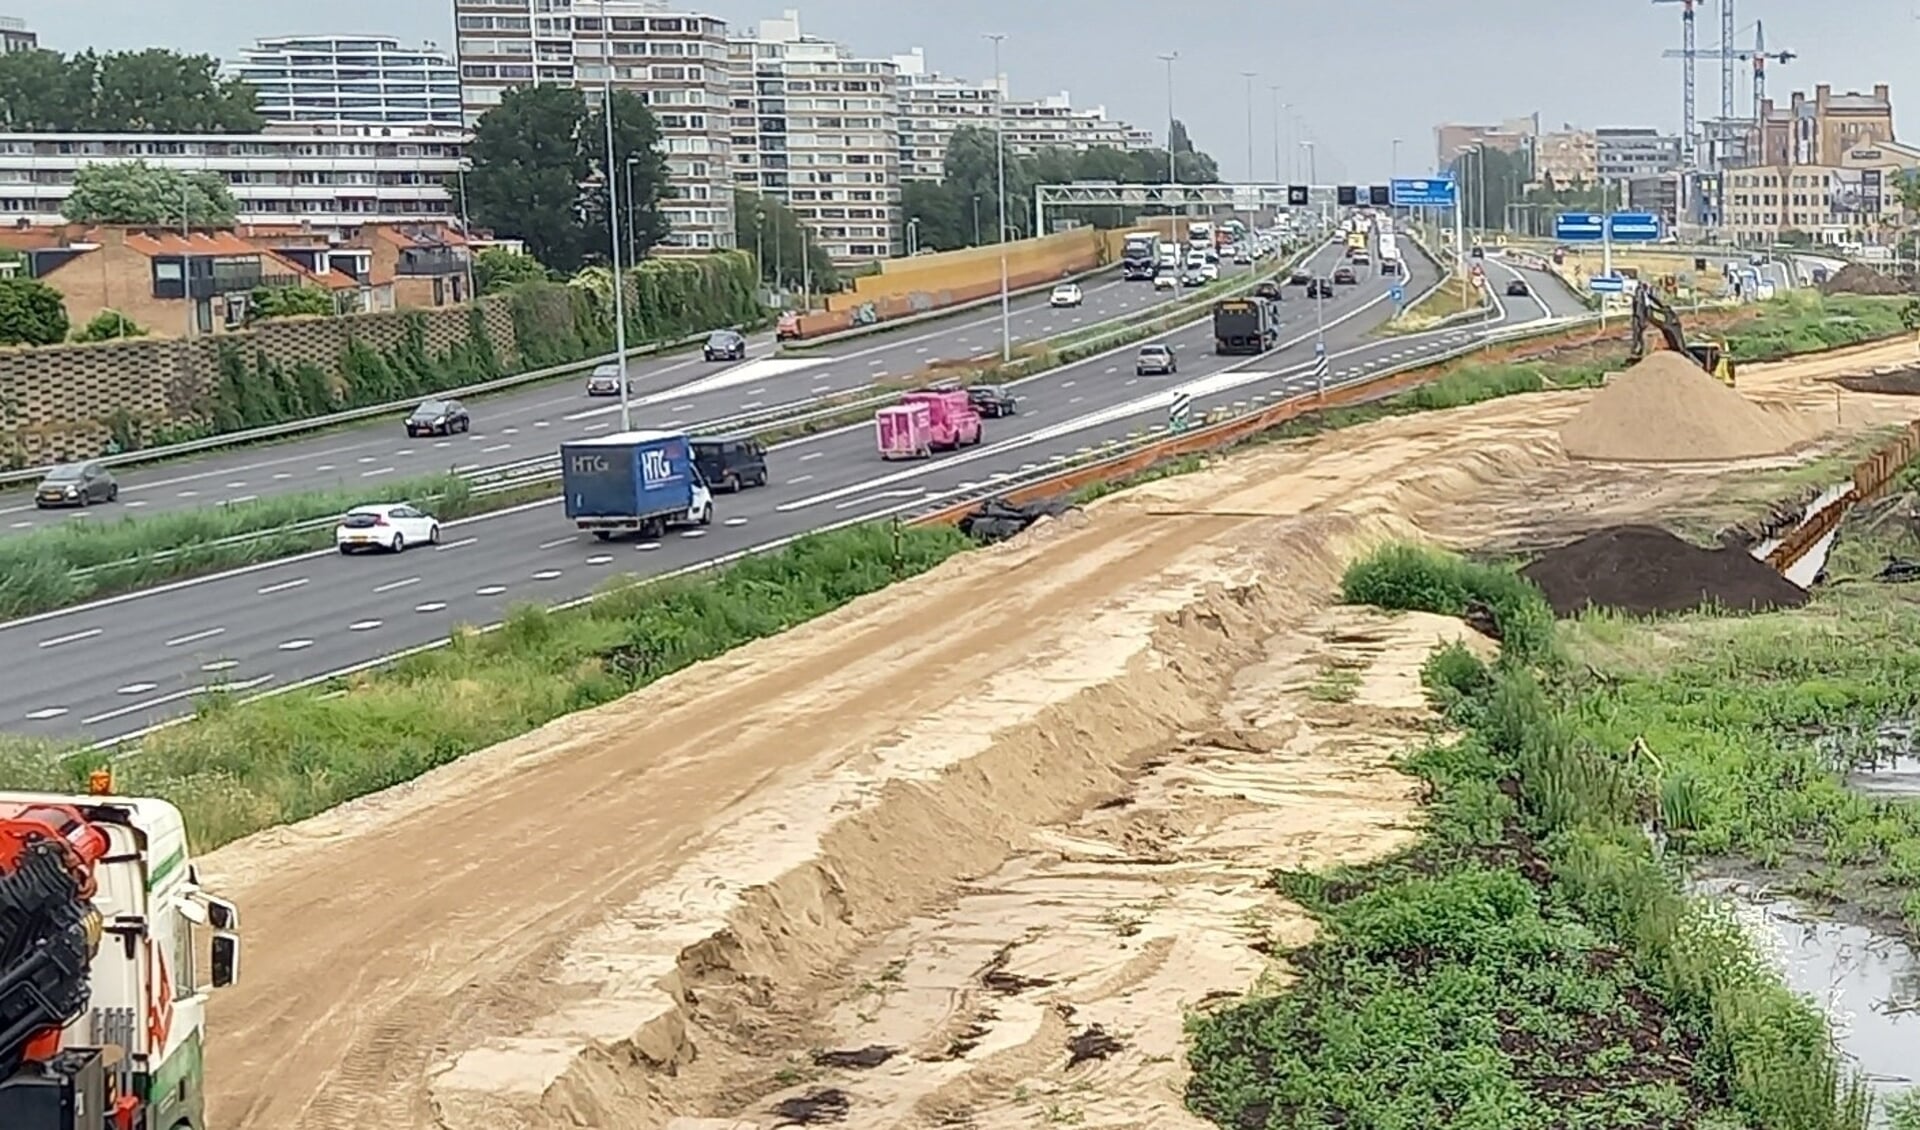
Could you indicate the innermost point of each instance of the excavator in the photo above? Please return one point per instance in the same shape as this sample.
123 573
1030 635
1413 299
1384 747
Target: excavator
102 1012
1652 311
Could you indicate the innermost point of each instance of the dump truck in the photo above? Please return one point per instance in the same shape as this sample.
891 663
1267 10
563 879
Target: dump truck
105 933
1245 325
637 482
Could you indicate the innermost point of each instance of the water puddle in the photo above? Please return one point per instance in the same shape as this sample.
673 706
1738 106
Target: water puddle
1880 759
1868 983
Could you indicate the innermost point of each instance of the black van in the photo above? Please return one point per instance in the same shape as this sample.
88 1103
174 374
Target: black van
730 463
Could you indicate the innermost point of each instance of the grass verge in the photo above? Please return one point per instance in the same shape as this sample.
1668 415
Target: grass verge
1533 962
235 769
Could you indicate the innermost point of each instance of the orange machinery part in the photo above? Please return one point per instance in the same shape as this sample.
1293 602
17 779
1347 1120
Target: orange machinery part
22 825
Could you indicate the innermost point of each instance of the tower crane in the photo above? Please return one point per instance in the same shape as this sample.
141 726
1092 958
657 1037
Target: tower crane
1757 55
1687 53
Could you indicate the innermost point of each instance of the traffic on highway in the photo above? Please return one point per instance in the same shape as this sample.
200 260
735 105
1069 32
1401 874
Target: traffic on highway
115 667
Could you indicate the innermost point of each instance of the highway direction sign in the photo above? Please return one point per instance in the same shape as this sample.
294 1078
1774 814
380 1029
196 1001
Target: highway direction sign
1437 192
1398 294
1607 284
1634 227
1579 227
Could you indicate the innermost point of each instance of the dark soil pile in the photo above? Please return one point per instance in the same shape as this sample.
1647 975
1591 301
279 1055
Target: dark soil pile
1897 381
1855 279
1643 570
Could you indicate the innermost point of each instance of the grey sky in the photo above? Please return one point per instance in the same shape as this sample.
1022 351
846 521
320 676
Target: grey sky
1358 75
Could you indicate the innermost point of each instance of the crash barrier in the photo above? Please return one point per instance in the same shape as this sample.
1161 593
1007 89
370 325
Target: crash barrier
1871 477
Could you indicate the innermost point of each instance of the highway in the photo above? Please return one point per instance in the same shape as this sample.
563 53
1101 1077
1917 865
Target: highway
117 666
671 391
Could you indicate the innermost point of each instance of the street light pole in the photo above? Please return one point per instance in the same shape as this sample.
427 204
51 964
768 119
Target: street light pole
613 227
1250 76
1173 164
1000 135
1275 91
466 227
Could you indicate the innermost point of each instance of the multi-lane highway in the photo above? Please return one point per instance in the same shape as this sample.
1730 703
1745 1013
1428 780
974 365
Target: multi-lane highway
117 666
672 391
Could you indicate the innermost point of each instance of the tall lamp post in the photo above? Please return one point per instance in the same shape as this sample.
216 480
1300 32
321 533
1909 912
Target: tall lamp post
1173 163
1250 76
1000 144
613 226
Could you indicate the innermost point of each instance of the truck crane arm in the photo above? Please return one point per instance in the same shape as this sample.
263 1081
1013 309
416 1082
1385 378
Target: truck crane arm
49 929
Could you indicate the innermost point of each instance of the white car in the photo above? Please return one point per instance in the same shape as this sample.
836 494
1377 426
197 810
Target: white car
1066 294
1209 271
1165 282
392 526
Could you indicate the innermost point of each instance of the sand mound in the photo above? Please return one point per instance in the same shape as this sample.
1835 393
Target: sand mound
1855 279
1666 409
1644 570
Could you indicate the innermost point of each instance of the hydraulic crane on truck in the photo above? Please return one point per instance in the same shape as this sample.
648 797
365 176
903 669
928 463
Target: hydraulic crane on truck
101 1016
1652 311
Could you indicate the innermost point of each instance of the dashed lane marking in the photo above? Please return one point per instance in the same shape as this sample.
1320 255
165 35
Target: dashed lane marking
546 575
736 521
196 637
490 590
136 688
220 665
363 625
71 637
296 645
600 559
431 606
392 585
46 712
283 586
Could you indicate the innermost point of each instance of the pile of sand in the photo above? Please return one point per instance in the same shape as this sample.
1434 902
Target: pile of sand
1855 279
1644 570
1666 409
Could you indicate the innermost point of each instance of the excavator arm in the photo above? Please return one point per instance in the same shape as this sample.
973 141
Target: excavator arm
1650 311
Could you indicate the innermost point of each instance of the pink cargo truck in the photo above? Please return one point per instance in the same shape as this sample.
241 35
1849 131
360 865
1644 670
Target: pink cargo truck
905 431
955 422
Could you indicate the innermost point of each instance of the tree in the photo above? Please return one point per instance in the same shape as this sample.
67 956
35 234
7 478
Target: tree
537 173
771 232
134 192
108 325
290 302
496 269
153 90
31 313
942 224
1501 181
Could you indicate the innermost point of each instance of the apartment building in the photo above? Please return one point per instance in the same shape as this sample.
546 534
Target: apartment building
1854 200
358 80
1622 154
15 36
673 59
1514 135
1567 157
818 128
329 179
933 106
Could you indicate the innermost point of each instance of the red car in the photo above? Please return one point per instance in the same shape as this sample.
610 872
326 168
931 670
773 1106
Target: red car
787 328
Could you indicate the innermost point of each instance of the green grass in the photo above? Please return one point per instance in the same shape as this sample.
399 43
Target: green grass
235 769
1530 964
1806 322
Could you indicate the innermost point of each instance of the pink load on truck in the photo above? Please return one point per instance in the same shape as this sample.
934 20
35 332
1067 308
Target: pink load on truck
905 431
954 420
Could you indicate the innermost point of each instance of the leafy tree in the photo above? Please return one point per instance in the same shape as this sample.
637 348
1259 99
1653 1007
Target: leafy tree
154 90
496 269
134 192
108 325
944 223
640 172
31 313
771 232
1501 181
532 155
289 302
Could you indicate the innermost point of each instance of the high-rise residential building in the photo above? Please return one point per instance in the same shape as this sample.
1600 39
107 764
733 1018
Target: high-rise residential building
818 128
350 80
15 36
676 61
933 106
1622 154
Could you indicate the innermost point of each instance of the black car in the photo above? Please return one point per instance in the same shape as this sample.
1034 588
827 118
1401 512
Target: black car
439 418
731 463
76 484
1300 278
1345 276
1320 288
1479 252
1156 359
1517 289
991 401
726 345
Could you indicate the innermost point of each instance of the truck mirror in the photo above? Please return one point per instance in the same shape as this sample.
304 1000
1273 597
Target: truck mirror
221 914
226 959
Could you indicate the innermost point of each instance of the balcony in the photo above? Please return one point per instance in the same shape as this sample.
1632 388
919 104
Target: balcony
435 261
220 285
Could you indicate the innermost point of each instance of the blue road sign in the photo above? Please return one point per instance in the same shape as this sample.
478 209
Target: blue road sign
1634 227
1434 192
1398 293
1607 284
1579 227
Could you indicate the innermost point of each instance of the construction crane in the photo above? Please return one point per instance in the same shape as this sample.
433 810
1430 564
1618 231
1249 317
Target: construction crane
1758 56
1688 53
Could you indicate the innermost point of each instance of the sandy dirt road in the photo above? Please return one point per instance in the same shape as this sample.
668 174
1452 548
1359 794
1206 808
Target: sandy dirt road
637 911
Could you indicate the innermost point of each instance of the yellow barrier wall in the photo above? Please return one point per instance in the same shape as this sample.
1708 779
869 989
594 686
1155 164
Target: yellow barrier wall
971 268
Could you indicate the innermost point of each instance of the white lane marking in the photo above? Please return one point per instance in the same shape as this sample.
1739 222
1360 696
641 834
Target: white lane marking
819 390
647 545
220 665
21 525
324 467
363 625
136 688
490 590
46 712
444 443
236 484
752 404
296 645
494 448
242 498
454 544
681 408
403 453
736 521
600 427
391 585
189 494
694 534
72 637
600 559
283 475
907 492
194 638
557 542
376 471
368 458
543 423
875 364
1075 400
546 574
1070 384
801 479
756 392
176 696
811 455
509 431
283 586
431 606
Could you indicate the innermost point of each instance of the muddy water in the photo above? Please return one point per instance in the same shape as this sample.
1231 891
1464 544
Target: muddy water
1882 758
1867 983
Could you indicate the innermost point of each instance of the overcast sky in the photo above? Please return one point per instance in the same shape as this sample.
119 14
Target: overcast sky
1357 74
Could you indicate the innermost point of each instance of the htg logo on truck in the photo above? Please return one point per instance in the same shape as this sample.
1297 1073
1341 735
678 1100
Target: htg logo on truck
584 464
655 468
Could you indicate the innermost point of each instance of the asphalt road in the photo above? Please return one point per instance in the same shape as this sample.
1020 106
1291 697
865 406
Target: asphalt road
117 666
674 391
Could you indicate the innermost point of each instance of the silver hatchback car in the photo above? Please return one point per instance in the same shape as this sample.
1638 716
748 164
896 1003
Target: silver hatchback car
605 381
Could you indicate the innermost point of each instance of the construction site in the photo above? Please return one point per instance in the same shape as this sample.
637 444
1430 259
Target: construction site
973 850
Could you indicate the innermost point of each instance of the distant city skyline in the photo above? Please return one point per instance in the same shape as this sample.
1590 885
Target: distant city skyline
1354 84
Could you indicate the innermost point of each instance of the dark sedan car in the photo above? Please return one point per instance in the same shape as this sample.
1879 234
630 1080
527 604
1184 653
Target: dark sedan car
726 345
1320 288
1300 278
76 484
439 418
1345 276
1517 289
991 401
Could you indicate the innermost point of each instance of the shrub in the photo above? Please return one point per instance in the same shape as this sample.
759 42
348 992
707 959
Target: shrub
108 325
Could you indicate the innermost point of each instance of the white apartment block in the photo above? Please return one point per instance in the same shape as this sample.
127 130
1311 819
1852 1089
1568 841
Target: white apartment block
676 61
933 106
358 80
818 129
326 180
16 36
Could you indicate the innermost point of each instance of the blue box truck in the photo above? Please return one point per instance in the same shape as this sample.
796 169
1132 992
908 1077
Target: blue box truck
634 482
